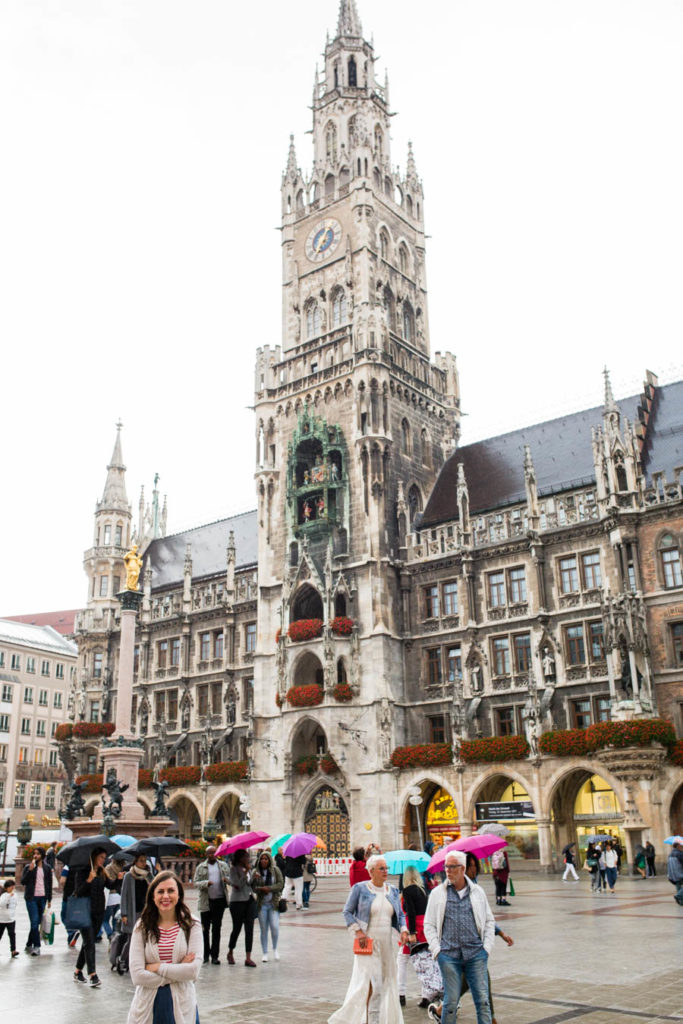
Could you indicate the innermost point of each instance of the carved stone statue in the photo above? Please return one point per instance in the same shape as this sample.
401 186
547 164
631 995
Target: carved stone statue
385 732
185 716
76 804
81 699
71 705
476 678
133 564
548 664
160 797
106 696
115 791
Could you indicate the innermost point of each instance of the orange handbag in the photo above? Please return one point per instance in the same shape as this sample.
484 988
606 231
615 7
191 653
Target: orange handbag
365 949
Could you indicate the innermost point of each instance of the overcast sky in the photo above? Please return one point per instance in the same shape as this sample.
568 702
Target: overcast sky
143 144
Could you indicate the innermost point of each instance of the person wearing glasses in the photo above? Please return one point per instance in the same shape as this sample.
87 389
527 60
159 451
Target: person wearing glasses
373 913
460 930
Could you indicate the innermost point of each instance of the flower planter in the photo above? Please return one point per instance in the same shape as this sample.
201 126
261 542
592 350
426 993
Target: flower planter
342 693
305 696
423 755
305 629
490 749
640 732
342 625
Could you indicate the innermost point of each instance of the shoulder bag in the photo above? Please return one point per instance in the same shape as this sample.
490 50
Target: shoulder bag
77 913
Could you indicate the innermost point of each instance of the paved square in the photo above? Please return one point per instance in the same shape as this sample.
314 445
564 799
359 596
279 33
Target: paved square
577 957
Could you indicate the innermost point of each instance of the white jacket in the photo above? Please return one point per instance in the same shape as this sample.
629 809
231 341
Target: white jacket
436 910
8 907
181 977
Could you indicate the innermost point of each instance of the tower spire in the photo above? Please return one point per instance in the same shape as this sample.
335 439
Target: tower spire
411 167
610 404
292 169
348 23
114 494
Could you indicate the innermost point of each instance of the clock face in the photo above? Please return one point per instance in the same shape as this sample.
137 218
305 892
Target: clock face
323 239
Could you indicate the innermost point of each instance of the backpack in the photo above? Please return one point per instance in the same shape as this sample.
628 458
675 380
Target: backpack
498 861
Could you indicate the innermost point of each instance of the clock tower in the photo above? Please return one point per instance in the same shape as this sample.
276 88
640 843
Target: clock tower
354 422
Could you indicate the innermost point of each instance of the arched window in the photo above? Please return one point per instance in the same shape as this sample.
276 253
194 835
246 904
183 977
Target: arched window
403 259
379 143
351 128
620 472
300 201
670 555
384 245
409 205
377 178
344 176
329 186
388 297
307 604
331 142
387 186
405 437
313 320
316 191
414 502
353 77
336 75
338 307
426 448
408 322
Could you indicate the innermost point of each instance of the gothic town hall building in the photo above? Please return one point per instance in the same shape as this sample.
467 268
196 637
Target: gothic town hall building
381 649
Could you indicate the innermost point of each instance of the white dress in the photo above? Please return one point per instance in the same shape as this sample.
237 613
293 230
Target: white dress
377 970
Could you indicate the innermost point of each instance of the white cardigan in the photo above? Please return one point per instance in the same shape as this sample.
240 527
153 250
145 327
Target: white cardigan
436 911
181 977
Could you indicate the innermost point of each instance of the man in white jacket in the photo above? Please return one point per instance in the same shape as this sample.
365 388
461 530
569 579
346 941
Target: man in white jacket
460 930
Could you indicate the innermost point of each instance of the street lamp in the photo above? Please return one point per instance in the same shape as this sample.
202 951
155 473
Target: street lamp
24 832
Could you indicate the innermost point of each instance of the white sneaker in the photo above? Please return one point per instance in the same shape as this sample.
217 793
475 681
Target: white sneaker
276 954
264 958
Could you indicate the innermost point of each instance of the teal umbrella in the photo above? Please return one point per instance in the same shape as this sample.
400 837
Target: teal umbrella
279 841
399 860
124 840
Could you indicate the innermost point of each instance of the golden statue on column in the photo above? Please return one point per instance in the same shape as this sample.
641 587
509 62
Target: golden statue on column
133 564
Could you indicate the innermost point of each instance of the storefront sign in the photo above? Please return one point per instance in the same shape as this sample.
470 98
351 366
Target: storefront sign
505 811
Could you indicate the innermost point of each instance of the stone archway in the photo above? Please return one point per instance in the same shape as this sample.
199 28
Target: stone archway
188 816
583 802
307 669
227 813
676 813
308 740
439 820
326 816
505 799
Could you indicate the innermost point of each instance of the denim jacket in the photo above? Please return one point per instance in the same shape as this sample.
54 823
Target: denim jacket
358 906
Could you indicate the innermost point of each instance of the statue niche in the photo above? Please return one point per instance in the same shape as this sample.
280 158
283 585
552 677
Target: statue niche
316 477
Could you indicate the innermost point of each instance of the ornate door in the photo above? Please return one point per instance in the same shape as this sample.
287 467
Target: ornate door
328 818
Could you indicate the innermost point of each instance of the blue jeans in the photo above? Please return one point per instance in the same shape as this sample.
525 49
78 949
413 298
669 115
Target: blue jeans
611 877
35 908
269 920
306 893
162 1008
109 915
475 970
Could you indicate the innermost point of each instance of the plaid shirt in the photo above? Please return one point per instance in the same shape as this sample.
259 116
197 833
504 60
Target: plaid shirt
459 937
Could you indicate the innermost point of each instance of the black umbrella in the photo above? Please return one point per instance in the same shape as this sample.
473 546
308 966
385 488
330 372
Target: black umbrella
77 853
567 848
157 846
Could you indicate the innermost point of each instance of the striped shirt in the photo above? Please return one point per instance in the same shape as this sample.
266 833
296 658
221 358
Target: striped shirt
167 937
459 936
40 881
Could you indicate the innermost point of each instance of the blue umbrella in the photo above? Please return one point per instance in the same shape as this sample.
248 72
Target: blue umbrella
399 860
674 839
123 841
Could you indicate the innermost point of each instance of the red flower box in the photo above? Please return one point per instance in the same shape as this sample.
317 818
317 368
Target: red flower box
342 625
94 780
305 696
144 778
181 775
676 753
342 693
637 733
328 765
306 765
305 629
494 748
64 731
197 849
227 771
423 755
92 730
278 634
279 700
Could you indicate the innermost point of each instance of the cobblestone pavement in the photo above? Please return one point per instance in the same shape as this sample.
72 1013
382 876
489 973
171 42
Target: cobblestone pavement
577 957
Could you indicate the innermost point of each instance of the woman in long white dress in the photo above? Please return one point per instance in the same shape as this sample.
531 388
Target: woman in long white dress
373 910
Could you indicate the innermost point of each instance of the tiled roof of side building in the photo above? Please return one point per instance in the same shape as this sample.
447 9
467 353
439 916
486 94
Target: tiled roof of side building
209 546
43 638
63 622
561 452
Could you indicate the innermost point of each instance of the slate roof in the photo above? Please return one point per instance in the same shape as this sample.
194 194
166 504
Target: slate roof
43 638
63 622
561 453
209 546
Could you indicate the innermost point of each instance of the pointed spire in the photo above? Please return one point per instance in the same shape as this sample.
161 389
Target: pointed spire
292 169
610 404
411 167
316 87
114 495
348 23
386 87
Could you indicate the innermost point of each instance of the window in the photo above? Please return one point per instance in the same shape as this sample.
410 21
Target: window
53 730
115 584
2 659
677 642
596 641
23 755
34 798
331 142
517 579
7 693
434 666
353 74
592 577
338 308
581 713
159 706
522 652
218 645
576 649
383 244
91 764
162 653
107 535
53 759
16 662
172 705
569 575
313 320
136 659
501 656
450 598
31 665
205 646
38 755
94 711
408 323
175 650
20 794
216 698
250 637
118 534
454 656
50 796
403 259
3 752
97 664
42 698
437 729
496 589
59 670
41 725
505 720
28 695
602 709
104 586
671 561
4 723
431 602
202 701
57 699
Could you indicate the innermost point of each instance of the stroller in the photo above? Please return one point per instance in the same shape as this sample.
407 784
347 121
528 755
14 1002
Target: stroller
118 948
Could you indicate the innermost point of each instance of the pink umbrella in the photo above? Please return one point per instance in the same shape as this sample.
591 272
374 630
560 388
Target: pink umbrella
479 845
241 842
301 843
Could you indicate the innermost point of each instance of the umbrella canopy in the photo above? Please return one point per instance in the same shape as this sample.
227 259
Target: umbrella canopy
399 860
597 838
493 828
674 839
241 842
302 843
157 846
567 848
279 841
123 841
77 853
480 846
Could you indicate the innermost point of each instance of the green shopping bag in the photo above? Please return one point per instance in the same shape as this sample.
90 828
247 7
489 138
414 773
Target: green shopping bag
512 888
47 927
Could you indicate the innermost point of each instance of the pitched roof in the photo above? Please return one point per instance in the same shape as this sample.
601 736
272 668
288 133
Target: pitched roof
63 622
561 452
209 544
43 638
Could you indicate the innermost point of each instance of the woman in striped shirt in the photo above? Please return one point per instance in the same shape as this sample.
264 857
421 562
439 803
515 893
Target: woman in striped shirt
165 957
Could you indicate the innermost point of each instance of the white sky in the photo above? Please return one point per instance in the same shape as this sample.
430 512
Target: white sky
143 143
